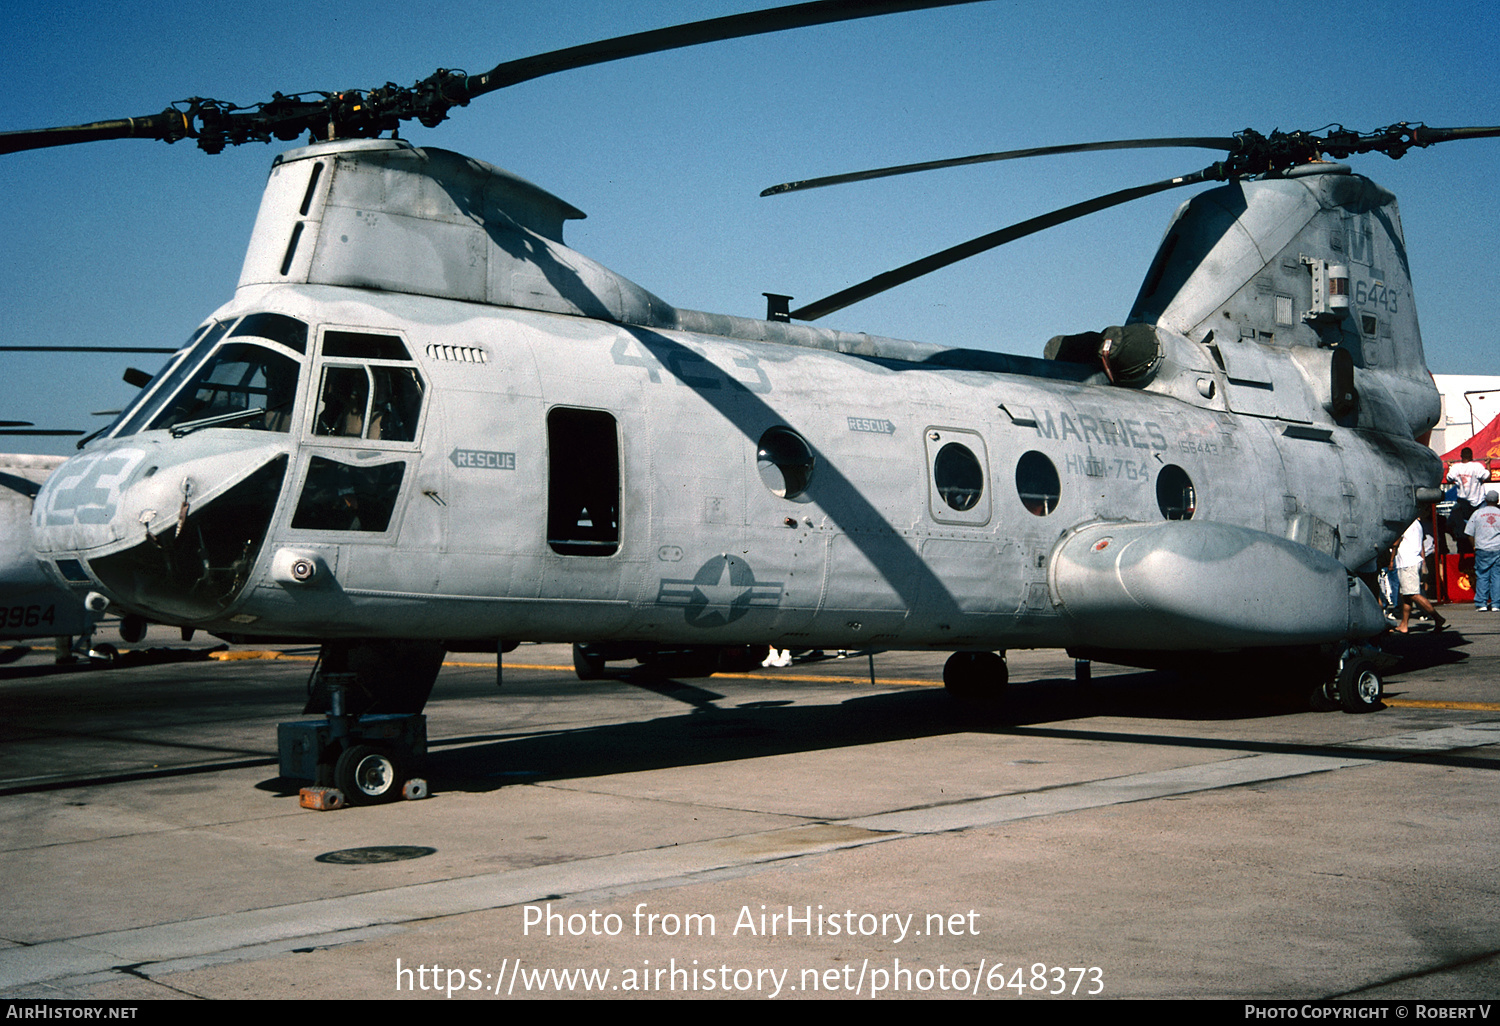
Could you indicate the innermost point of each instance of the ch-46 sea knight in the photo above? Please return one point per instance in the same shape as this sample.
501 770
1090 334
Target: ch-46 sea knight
424 423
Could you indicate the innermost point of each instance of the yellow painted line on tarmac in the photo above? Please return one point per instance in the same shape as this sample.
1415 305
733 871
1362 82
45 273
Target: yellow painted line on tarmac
735 677
1417 703
794 677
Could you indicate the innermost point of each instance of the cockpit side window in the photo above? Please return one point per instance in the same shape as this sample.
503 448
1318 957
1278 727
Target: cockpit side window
376 399
343 402
364 345
340 497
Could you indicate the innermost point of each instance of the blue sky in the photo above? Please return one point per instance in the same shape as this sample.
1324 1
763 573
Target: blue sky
135 242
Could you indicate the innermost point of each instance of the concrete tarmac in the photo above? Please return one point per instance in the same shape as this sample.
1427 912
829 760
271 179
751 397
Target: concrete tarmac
831 829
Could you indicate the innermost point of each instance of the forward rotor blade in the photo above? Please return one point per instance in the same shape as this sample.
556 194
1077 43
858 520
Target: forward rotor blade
169 125
87 349
1428 136
734 26
901 275
1225 143
366 114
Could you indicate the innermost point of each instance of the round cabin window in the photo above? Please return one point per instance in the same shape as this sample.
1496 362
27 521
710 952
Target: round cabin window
1175 494
1037 483
785 462
958 476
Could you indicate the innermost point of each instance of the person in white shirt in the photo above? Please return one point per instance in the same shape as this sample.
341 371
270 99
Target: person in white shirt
1470 477
1484 528
1406 557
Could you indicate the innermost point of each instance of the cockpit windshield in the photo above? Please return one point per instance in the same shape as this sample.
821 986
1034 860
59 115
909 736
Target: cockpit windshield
240 374
241 378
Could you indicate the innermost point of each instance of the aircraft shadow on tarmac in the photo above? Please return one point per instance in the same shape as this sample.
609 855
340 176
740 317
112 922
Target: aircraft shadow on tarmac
708 732
711 728
134 657
1423 650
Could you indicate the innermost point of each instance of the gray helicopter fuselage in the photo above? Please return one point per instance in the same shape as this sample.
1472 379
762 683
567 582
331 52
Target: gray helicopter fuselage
542 450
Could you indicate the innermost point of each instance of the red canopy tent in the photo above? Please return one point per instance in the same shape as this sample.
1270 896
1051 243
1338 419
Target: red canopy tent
1457 584
1485 443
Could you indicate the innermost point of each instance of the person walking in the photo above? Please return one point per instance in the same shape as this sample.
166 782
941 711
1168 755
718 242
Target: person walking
1407 557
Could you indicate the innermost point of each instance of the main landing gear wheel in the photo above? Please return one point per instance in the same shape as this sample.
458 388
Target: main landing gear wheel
742 658
368 775
587 664
975 680
1359 686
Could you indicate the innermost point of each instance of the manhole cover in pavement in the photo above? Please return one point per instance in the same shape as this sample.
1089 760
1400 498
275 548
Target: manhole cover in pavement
368 856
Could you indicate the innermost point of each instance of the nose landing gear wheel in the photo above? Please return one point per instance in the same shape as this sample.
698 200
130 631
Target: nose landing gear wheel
1359 686
368 775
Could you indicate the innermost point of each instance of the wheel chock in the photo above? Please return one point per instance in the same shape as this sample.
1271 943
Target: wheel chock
322 799
413 789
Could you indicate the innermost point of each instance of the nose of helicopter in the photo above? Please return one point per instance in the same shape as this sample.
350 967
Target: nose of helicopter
172 537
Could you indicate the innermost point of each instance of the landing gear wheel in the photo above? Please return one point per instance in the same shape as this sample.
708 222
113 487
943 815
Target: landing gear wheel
742 658
1359 686
587 664
368 775
1322 698
132 628
975 680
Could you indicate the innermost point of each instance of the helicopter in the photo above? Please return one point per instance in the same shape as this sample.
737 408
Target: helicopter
31 605
424 423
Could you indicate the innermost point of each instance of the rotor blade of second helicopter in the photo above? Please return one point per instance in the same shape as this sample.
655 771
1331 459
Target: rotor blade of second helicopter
901 275
734 26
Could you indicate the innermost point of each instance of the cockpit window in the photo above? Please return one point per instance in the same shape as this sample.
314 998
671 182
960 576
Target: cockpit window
340 497
239 384
170 377
289 331
377 403
364 392
362 345
240 378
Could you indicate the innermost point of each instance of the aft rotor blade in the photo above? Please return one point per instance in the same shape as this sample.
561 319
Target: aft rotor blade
734 26
901 275
1216 143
